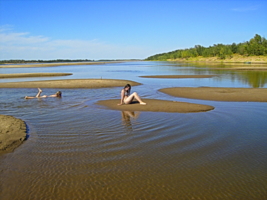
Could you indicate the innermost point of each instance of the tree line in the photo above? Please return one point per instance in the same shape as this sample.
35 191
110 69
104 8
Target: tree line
256 46
14 61
42 61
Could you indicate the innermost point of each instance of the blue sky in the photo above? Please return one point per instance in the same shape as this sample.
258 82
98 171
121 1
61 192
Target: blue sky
117 29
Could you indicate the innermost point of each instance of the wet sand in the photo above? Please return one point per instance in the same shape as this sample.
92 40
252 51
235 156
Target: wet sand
235 66
70 83
54 64
219 94
155 105
12 133
242 68
179 76
25 75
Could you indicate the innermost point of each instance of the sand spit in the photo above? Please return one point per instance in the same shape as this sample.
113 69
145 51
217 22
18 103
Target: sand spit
219 94
234 59
54 64
179 76
25 75
155 105
12 133
242 68
70 83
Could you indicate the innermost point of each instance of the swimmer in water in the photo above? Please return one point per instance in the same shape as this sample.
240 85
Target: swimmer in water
38 95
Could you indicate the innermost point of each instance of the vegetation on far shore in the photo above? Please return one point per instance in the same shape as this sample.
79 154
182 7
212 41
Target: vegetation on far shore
19 61
255 47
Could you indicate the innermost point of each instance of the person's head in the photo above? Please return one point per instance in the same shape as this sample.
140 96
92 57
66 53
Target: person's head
59 94
127 87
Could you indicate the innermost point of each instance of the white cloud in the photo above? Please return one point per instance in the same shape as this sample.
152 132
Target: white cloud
246 9
26 46
21 39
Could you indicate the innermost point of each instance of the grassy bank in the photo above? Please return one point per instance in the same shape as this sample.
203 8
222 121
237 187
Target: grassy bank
233 59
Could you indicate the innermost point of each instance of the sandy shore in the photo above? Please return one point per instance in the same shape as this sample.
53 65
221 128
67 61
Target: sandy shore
155 105
219 94
245 68
234 59
70 83
22 75
12 133
54 64
179 76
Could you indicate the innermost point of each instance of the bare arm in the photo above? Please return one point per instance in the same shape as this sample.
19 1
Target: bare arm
53 95
122 97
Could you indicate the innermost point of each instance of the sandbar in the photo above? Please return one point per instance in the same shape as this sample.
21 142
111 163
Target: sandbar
53 64
178 76
25 75
70 83
235 59
219 93
250 68
12 133
155 105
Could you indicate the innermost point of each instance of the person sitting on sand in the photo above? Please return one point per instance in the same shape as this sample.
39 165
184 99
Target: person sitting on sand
127 98
58 94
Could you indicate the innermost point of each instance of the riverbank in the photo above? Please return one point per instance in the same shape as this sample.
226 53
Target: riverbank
70 83
156 105
235 59
219 94
25 75
53 64
179 76
12 133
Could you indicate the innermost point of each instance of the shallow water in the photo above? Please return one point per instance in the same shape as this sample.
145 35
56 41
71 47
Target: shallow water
79 150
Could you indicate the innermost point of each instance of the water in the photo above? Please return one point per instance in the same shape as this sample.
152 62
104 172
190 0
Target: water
79 150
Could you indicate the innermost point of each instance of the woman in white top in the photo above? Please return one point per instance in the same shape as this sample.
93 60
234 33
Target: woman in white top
127 97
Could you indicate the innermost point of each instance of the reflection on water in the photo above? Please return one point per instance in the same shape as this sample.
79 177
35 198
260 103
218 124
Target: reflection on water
131 70
77 150
127 116
255 79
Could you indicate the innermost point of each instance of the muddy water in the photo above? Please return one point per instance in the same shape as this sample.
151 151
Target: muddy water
78 150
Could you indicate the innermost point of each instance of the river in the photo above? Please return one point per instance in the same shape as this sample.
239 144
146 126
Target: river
79 150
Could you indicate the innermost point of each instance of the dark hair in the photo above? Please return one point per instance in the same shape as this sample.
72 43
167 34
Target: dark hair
59 93
129 86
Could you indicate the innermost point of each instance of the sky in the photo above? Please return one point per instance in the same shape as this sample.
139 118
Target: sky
123 29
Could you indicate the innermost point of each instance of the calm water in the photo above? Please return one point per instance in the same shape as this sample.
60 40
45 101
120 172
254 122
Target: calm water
79 150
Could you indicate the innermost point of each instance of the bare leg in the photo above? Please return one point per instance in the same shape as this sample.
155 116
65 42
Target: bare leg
39 93
26 97
132 96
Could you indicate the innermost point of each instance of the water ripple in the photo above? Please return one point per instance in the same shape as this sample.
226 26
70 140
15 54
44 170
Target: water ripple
78 151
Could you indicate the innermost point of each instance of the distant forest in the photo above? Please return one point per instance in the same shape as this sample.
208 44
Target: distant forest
61 60
254 47
41 61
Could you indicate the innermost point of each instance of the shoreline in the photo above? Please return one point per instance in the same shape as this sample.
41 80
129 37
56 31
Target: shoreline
219 94
70 83
26 75
13 132
53 64
156 105
179 76
235 59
